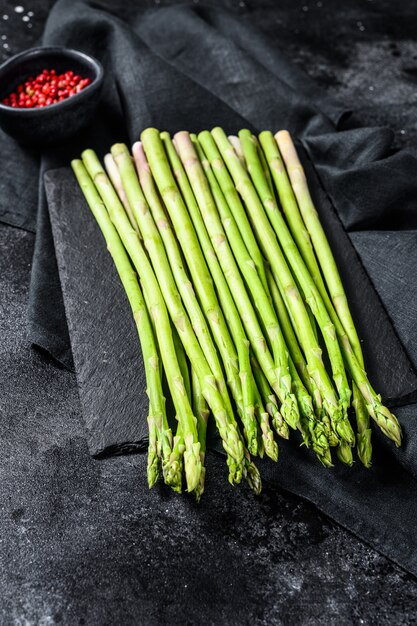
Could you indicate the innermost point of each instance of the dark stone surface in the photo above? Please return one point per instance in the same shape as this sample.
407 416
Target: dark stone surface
83 541
104 338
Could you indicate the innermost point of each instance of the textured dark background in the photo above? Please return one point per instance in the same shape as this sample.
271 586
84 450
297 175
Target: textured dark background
83 541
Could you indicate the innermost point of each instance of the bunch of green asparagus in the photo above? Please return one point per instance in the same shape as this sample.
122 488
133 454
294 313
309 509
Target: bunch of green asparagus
237 299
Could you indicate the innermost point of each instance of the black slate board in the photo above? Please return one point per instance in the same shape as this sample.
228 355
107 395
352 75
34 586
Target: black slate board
104 341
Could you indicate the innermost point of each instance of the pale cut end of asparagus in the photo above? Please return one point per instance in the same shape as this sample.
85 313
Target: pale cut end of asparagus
139 157
288 151
235 141
114 175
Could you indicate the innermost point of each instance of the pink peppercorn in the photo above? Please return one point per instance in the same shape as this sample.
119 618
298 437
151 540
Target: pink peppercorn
45 89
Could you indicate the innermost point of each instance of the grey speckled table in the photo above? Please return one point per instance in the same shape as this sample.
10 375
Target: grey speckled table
83 541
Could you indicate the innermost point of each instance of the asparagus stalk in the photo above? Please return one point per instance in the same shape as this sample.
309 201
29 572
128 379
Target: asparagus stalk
232 197
225 421
114 175
201 278
211 202
155 227
187 221
202 412
264 163
160 436
173 473
268 397
302 237
302 274
269 444
273 252
338 306
182 225
151 235
307 386
300 392
230 438
310 237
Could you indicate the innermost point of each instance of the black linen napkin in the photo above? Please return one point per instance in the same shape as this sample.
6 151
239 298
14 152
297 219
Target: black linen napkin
371 503
186 68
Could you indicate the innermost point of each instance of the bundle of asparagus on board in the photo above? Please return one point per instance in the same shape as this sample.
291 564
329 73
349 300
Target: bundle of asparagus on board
236 297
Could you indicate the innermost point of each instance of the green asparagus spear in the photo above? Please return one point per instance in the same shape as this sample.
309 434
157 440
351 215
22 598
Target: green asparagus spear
173 473
225 421
114 175
311 294
268 398
156 232
160 436
338 307
232 197
231 441
202 412
186 221
270 246
223 230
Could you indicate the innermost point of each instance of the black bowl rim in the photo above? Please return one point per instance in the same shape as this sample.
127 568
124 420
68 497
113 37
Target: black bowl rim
65 52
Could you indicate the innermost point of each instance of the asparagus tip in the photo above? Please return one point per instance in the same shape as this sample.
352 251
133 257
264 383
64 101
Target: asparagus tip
280 426
388 423
326 458
344 453
199 490
192 465
365 447
153 468
173 475
289 410
253 476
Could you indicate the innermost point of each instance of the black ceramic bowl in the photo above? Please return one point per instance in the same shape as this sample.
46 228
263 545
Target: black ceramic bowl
56 122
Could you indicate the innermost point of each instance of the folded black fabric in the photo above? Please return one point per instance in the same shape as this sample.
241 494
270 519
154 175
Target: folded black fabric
107 357
177 68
